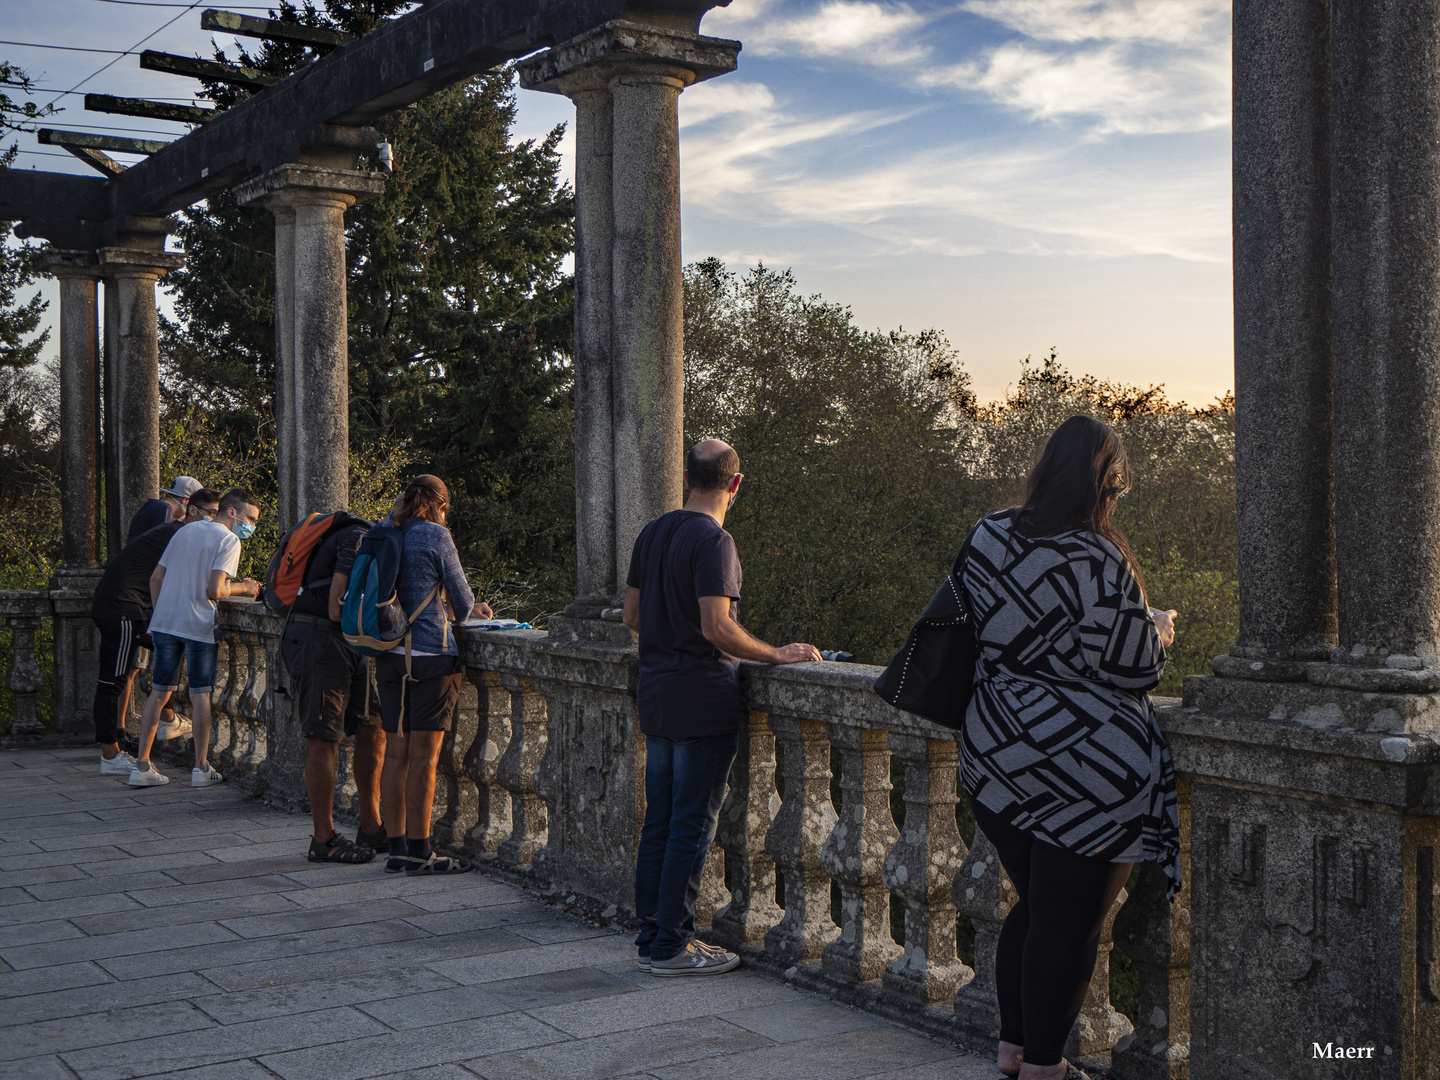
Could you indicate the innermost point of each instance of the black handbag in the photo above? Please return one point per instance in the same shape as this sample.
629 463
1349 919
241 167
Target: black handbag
933 674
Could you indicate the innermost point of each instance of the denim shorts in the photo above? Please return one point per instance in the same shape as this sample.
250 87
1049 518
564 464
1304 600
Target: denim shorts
199 656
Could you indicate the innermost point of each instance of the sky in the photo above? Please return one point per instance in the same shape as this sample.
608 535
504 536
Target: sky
1018 174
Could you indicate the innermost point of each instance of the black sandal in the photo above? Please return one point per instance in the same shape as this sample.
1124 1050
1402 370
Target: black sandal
440 864
376 841
396 864
339 850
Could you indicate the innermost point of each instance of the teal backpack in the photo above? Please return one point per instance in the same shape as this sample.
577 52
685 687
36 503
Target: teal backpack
371 617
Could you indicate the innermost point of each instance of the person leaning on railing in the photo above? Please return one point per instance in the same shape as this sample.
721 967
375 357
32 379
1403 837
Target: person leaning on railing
681 594
419 692
1063 762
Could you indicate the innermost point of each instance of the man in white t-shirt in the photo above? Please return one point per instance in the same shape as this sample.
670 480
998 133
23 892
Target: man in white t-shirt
194 572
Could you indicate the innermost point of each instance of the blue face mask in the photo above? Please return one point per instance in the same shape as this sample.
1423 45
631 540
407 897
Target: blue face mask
244 530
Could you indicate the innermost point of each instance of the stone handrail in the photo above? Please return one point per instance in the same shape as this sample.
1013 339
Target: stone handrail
542 779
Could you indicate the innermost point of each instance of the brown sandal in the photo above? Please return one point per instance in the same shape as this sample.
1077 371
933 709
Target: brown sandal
338 849
440 864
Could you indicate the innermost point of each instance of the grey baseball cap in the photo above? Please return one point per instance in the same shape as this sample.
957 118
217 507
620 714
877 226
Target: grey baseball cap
183 487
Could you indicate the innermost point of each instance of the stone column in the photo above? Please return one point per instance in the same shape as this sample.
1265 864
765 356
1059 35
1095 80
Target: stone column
110 418
1386 204
136 376
625 79
78 272
312 399
1281 165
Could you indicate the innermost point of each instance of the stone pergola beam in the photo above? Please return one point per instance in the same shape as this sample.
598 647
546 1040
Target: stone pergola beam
396 64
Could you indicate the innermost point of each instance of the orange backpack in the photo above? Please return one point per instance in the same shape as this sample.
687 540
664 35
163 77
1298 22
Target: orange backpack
285 576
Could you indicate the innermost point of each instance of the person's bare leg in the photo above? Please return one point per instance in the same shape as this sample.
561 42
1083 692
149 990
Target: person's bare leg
1010 1058
367 765
420 784
200 725
149 718
393 776
320 757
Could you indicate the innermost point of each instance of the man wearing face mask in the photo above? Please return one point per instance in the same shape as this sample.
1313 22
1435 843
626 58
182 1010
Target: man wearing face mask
121 608
681 597
193 574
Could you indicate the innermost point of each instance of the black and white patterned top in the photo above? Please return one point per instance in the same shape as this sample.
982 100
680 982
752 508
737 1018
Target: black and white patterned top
1060 738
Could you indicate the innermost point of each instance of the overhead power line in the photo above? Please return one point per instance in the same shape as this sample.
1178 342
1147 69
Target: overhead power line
63 48
142 41
149 3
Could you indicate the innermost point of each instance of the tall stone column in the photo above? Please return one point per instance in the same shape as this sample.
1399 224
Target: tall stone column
1386 158
1284 487
110 417
312 336
133 415
625 79
78 272
75 640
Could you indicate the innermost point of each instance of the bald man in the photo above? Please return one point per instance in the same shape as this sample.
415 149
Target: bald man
681 597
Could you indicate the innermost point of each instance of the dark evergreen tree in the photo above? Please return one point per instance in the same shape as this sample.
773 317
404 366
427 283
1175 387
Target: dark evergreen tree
20 345
459 313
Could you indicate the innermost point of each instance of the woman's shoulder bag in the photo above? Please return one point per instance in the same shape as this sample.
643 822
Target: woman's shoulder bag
933 674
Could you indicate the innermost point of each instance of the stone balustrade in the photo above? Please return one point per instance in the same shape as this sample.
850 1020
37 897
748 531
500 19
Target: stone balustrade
542 780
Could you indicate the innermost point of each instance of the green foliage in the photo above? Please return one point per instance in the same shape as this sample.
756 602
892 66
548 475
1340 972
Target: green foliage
847 519
459 319
19 344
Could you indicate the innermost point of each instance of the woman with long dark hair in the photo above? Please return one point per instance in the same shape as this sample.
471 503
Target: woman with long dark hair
1067 772
419 691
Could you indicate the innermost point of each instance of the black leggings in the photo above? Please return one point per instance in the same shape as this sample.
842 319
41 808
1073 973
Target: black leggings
1047 947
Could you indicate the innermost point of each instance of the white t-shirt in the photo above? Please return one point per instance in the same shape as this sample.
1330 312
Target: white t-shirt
194 552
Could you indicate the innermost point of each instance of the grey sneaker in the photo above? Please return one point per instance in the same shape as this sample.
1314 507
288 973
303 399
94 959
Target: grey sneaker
119 765
148 777
644 957
696 959
179 729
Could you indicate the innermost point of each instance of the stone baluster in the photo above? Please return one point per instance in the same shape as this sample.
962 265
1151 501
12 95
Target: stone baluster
855 853
982 891
920 869
248 705
713 894
797 837
546 781
745 819
456 798
1099 1026
227 678
516 772
1155 934
25 680
482 762
222 727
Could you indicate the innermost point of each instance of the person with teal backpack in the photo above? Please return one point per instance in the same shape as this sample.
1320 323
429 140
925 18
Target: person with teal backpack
404 586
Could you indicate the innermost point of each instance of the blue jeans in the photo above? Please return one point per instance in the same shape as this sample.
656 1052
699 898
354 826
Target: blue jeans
684 786
200 656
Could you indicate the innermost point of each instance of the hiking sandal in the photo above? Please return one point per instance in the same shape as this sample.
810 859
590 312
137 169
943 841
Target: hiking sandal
396 864
440 864
376 840
338 849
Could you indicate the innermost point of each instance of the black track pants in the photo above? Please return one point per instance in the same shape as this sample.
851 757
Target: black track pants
1047 947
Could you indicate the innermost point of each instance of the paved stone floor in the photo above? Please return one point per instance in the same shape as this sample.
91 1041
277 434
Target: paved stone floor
175 932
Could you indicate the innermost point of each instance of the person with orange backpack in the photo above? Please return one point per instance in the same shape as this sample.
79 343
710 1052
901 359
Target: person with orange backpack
329 683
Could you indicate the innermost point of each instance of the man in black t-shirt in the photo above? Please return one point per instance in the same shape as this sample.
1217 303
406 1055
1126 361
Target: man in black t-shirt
330 685
121 610
681 599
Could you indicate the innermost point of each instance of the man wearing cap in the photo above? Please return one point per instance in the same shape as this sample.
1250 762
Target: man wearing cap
169 507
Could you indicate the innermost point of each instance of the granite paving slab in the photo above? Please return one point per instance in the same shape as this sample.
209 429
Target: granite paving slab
182 934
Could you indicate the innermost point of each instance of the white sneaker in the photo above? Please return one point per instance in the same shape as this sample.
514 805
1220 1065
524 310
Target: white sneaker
151 777
205 777
119 765
179 729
